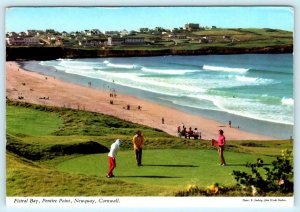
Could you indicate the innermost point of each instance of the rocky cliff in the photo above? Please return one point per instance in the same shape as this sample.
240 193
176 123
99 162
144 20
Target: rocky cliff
51 53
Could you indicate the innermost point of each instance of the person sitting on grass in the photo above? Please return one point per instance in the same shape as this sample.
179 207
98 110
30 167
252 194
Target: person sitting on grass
196 134
183 132
114 148
220 143
190 133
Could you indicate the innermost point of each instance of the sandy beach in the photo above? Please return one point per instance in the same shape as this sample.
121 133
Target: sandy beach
32 87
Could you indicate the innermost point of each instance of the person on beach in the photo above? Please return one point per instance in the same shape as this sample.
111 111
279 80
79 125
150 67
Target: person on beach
220 143
114 148
229 123
138 141
162 120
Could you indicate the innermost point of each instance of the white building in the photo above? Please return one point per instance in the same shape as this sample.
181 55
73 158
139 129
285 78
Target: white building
113 41
124 33
23 41
134 40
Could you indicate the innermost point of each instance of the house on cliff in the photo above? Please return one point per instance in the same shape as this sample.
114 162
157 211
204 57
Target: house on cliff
134 40
115 41
23 41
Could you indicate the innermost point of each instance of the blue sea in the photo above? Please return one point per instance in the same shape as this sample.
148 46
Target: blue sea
254 91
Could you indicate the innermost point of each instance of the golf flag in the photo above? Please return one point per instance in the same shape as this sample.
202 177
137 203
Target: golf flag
214 143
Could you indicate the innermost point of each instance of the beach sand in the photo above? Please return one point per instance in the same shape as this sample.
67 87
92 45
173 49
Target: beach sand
37 88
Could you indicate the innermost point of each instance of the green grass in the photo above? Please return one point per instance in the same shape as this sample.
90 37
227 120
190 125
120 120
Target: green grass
26 178
27 121
169 167
49 153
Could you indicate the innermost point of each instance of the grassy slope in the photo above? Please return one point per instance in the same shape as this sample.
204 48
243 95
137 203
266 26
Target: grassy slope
36 121
244 38
27 177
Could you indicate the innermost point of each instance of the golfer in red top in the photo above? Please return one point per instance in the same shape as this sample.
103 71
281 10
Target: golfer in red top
220 143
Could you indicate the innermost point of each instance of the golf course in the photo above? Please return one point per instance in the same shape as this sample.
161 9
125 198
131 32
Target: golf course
56 151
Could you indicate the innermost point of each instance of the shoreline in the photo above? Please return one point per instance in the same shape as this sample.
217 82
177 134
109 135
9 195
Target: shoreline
33 87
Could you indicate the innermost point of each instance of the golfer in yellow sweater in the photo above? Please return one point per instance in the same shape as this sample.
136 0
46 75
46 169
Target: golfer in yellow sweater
138 141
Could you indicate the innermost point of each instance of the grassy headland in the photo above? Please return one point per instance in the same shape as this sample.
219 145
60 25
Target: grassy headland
63 152
201 42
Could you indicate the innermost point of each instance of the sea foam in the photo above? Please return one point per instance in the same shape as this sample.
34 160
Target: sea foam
246 79
167 71
287 101
254 80
224 69
126 66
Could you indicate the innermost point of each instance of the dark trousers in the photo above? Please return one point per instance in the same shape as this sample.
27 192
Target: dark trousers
138 156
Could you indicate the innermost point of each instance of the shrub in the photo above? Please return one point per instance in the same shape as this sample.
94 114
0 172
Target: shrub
278 178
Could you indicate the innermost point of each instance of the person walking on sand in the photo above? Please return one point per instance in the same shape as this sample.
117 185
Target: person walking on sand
138 141
220 143
114 148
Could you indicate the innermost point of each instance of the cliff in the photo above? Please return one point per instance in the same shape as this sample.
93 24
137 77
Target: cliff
51 53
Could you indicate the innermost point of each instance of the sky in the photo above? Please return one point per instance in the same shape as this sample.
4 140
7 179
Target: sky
132 18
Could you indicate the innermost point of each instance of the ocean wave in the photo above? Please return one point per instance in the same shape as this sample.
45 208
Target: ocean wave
167 71
64 59
60 68
224 69
255 110
247 108
259 71
125 66
246 79
74 66
287 101
253 79
190 102
148 84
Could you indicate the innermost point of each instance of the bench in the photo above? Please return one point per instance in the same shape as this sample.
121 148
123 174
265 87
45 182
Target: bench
187 135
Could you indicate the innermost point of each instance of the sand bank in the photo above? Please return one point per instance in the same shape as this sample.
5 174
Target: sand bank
32 87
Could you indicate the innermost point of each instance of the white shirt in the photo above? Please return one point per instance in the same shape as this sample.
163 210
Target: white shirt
114 148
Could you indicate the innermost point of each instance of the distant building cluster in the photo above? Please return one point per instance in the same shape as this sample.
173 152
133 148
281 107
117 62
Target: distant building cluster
96 38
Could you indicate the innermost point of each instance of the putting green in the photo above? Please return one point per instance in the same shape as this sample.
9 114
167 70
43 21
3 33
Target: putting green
170 167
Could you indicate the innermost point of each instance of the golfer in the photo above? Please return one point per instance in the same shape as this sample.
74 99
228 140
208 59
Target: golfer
138 141
220 143
114 148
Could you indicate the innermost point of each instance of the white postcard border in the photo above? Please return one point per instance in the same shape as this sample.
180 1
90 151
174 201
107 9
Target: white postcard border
149 202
